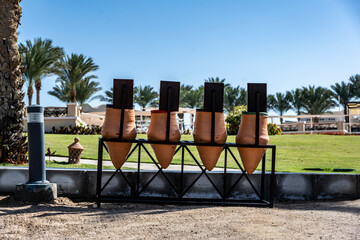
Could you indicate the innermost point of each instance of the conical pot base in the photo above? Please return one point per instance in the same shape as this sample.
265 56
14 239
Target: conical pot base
209 156
164 153
118 152
251 158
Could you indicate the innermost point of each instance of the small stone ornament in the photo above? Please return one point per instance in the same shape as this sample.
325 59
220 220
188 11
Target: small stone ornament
75 150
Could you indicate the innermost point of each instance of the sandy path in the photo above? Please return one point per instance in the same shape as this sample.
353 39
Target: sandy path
65 219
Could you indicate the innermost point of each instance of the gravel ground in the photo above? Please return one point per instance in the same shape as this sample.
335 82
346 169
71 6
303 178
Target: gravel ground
65 219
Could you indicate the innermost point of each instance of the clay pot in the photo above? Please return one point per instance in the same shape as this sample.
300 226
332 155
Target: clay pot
202 134
251 157
157 132
118 151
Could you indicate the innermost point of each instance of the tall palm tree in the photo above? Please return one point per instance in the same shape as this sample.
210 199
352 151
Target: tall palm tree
280 103
234 96
61 92
342 93
109 95
296 99
355 85
317 100
85 91
146 96
11 81
39 59
75 69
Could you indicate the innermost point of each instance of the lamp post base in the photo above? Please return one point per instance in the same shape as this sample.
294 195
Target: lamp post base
36 192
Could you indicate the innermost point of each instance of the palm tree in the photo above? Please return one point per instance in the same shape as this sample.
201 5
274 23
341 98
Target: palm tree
342 93
73 70
194 98
234 96
280 103
296 99
191 98
11 81
355 85
217 80
146 96
109 95
61 92
317 100
39 59
85 91
184 90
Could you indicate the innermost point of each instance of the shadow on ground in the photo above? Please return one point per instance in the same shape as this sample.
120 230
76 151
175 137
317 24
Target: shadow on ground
10 206
63 206
350 206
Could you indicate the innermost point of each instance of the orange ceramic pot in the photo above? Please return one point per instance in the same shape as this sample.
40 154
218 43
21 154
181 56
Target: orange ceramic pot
118 151
202 134
251 157
157 132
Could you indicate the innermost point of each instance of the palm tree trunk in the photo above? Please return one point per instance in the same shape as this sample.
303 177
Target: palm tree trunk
38 88
30 92
11 82
72 95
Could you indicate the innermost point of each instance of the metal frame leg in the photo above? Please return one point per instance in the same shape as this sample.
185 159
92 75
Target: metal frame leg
99 173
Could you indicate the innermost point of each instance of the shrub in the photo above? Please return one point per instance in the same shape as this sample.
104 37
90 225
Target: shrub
273 129
233 119
81 130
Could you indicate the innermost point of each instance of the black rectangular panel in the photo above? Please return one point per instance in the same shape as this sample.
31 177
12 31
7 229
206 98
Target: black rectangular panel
123 93
213 97
169 96
259 89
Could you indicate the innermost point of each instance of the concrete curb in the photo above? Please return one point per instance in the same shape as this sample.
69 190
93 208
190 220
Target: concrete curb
81 183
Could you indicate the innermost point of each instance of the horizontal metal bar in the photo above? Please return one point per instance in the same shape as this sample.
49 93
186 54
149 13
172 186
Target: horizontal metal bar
187 143
192 201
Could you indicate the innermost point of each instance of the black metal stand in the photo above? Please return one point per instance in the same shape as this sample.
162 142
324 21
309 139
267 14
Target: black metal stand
263 198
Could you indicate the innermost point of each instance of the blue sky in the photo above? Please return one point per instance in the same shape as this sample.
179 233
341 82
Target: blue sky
286 44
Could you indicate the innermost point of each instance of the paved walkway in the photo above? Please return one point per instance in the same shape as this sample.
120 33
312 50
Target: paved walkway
143 166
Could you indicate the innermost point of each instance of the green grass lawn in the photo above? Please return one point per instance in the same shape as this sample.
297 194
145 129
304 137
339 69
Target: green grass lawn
53 164
294 152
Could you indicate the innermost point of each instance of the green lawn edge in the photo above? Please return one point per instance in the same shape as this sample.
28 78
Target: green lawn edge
294 153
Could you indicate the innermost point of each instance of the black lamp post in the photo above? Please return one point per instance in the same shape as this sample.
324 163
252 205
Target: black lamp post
37 188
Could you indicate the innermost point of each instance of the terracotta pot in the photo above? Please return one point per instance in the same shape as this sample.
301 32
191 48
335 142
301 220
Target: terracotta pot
251 157
202 134
118 151
157 132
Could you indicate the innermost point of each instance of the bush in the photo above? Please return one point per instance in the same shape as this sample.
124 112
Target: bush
92 130
273 129
233 119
